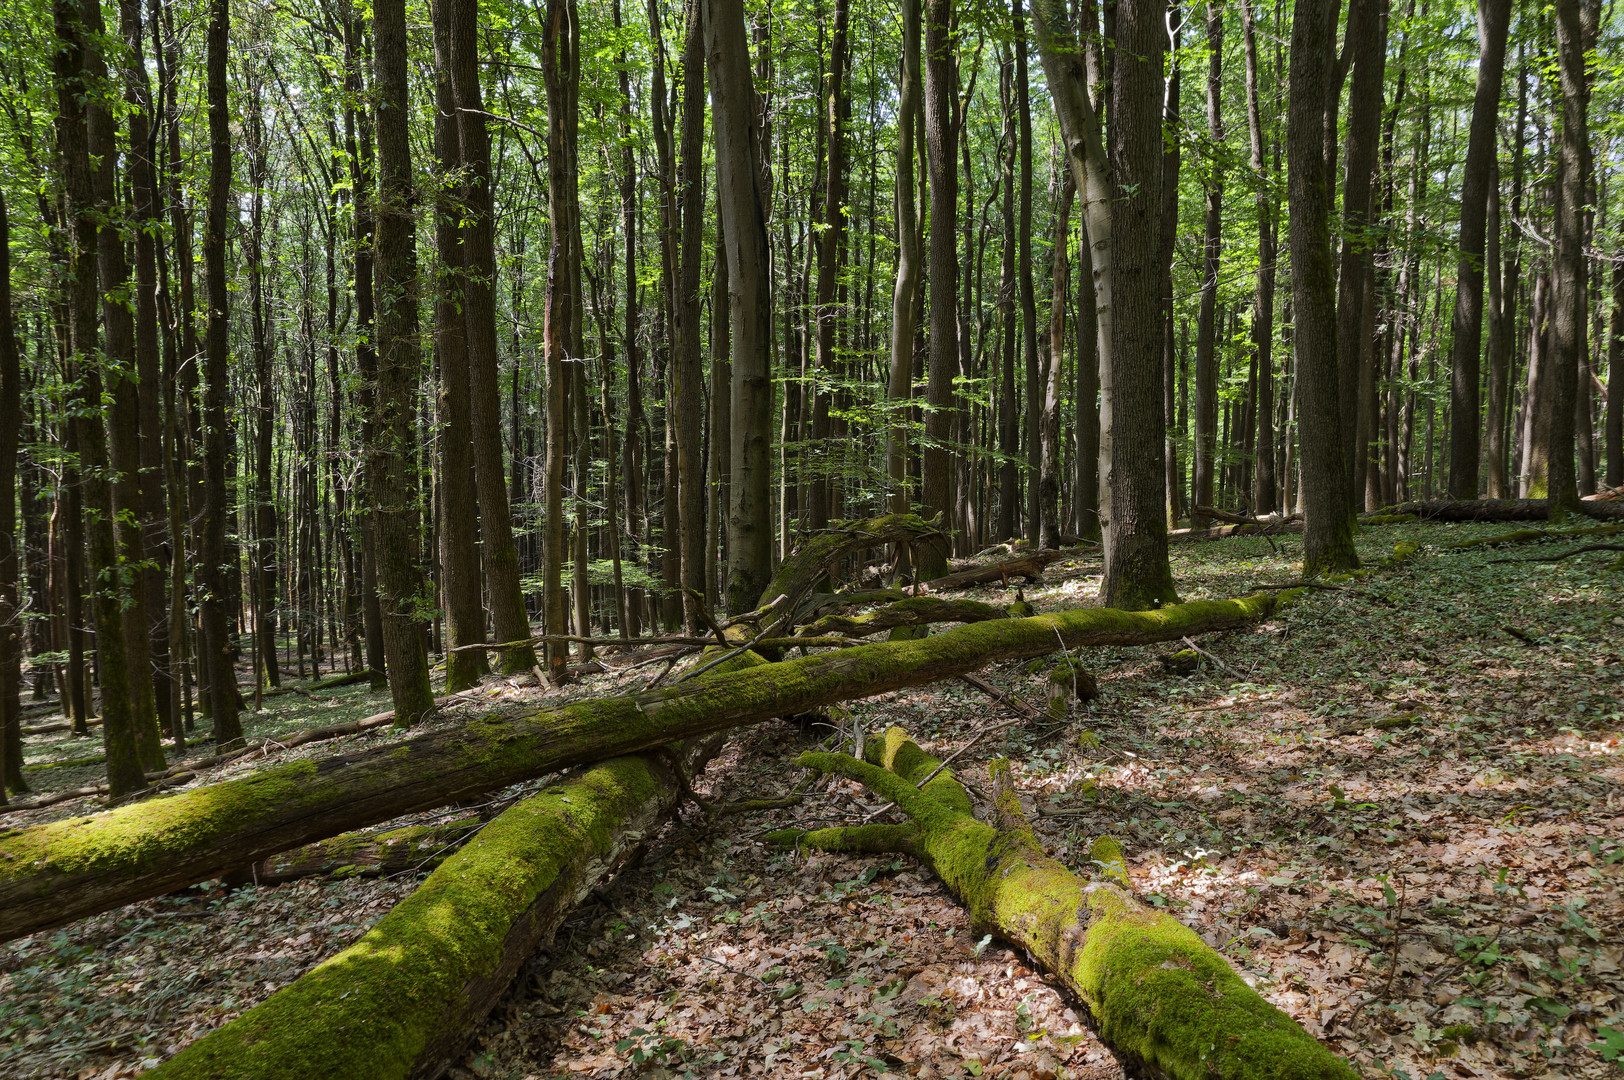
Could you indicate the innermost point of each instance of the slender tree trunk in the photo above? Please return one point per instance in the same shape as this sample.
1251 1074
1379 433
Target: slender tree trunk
77 69
500 555
1577 24
459 517
391 458
688 367
1049 479
262 552
11 418
1615 383
1009 409
1493 23
1029 313
1206 355
1329 519
1264 498
899 386
1367 52
743 198
1171 163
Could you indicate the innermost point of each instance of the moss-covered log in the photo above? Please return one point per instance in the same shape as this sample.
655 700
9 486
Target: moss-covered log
817 554
914 611
1163 1000
365 854
1027 567
58 872
1504 509
404 999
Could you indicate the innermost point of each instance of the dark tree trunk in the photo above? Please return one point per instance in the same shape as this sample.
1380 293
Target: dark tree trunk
1615 383
937 493
899 386
688 367
500 555
1328 503
1264 501
1577 24
1029 311
1049 478
1367 51
1171 163
1206 355
459 500
11 418
831 245
391 457
1465 421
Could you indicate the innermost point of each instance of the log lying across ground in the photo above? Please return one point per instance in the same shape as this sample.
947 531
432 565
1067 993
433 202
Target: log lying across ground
1505 509
1027 567
913 611
55 873
404 1000
1155 992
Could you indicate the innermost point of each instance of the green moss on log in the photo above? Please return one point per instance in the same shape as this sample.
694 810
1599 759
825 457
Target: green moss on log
1156 993
376 1009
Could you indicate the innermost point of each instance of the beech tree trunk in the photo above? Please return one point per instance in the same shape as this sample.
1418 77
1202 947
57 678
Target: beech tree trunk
1137 572
937 470
1206 358
899 386
1493 23
510 621
741 180
1327 499
11 417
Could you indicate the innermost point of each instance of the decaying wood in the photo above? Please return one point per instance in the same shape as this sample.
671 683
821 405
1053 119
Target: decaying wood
1221 532
55 873
1027 567
1160 997
1504 509
914 611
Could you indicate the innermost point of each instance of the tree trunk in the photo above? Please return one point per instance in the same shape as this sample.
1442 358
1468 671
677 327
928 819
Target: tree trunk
1172 160
1367 52
459 516
1029 314
688 367
1009 409
1049 476
937 495
1137 573
1493 23
391 456
1328 503
1264 498
899 386
741 180
1577 24
11 417
500 555
1615 383
1206 357
1127 963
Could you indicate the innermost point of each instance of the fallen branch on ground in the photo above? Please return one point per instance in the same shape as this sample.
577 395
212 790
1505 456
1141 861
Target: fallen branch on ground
1564 555
1154 991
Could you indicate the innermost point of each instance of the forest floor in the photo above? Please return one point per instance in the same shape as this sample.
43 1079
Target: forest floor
1438 897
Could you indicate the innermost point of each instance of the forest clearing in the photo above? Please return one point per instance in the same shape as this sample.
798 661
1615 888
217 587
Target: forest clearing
822 538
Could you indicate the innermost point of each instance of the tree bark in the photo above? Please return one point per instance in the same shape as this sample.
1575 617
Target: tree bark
688 373
392 455
1137 572
1264 498
1615 383
1328 502
1049 474
1035 383
459 500
742 197
1493 23
11 418
500 555
1577 25
899 386
1206 358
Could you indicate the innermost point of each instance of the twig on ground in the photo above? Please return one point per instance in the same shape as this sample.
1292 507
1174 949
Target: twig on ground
1221 665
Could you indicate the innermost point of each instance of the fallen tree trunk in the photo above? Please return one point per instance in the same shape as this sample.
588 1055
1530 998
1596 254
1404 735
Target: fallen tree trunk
914 611
1166 1003
1529 536
55 873
1027 568
404 1000
1220 532
364 854
1504 509
59 725
329 683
